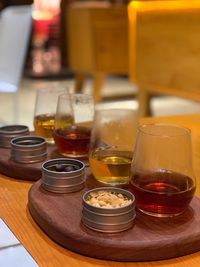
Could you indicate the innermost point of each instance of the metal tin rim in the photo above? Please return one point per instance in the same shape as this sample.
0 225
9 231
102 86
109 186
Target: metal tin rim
123 191
13 132
14 141
59 161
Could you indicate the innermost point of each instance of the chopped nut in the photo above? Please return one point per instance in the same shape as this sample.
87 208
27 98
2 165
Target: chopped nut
108 199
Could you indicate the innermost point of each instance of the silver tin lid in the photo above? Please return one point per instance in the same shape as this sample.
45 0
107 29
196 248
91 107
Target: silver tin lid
28 149
108 219
63 175
7 133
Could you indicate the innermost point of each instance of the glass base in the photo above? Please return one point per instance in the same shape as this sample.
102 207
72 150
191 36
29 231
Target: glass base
111 182
50 142
161 215
67 155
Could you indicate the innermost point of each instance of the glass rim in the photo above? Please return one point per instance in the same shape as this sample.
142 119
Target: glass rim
114 109
55 89
75 94
185 130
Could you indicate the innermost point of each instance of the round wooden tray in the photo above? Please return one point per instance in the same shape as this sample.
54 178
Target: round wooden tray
59 215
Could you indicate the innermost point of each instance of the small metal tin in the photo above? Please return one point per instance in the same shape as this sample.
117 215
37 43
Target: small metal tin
28 149
63 181
7 133
109 220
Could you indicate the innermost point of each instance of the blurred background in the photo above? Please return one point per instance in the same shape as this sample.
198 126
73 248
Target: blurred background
85 46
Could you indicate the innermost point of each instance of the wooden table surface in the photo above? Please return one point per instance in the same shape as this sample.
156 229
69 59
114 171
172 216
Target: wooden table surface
13 210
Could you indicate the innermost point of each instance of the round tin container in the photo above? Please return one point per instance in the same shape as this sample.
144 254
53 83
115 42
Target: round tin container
28 149
57 179
7 133
108 219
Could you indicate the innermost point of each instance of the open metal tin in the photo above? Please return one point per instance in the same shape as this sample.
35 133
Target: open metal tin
108 219
28 149
7 133
63 175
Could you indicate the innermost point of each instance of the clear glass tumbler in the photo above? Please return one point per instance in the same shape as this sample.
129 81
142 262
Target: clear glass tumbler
45 109
162 178
112 145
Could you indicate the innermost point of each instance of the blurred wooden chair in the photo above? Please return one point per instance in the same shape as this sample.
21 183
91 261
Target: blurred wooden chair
164 49
97 42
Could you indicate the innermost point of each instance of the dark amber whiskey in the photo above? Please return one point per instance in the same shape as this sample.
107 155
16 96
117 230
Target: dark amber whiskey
73 141
163 193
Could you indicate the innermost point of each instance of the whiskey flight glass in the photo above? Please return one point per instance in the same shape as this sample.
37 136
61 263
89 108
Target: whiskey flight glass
162 177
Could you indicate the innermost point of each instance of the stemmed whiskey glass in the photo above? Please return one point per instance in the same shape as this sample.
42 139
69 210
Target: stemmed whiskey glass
162 178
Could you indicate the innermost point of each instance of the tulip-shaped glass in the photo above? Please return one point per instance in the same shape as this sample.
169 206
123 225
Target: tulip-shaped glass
73 121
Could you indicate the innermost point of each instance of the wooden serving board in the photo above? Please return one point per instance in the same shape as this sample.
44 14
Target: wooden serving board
23 171
59 215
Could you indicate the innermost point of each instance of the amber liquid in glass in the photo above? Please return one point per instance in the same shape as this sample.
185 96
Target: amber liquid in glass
44 126
73 141
111 167
162 193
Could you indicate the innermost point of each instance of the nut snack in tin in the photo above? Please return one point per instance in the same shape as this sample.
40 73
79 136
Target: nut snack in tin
63 175
108 209
7 133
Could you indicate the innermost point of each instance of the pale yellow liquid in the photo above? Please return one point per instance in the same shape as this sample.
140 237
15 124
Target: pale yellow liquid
44 126
111 167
